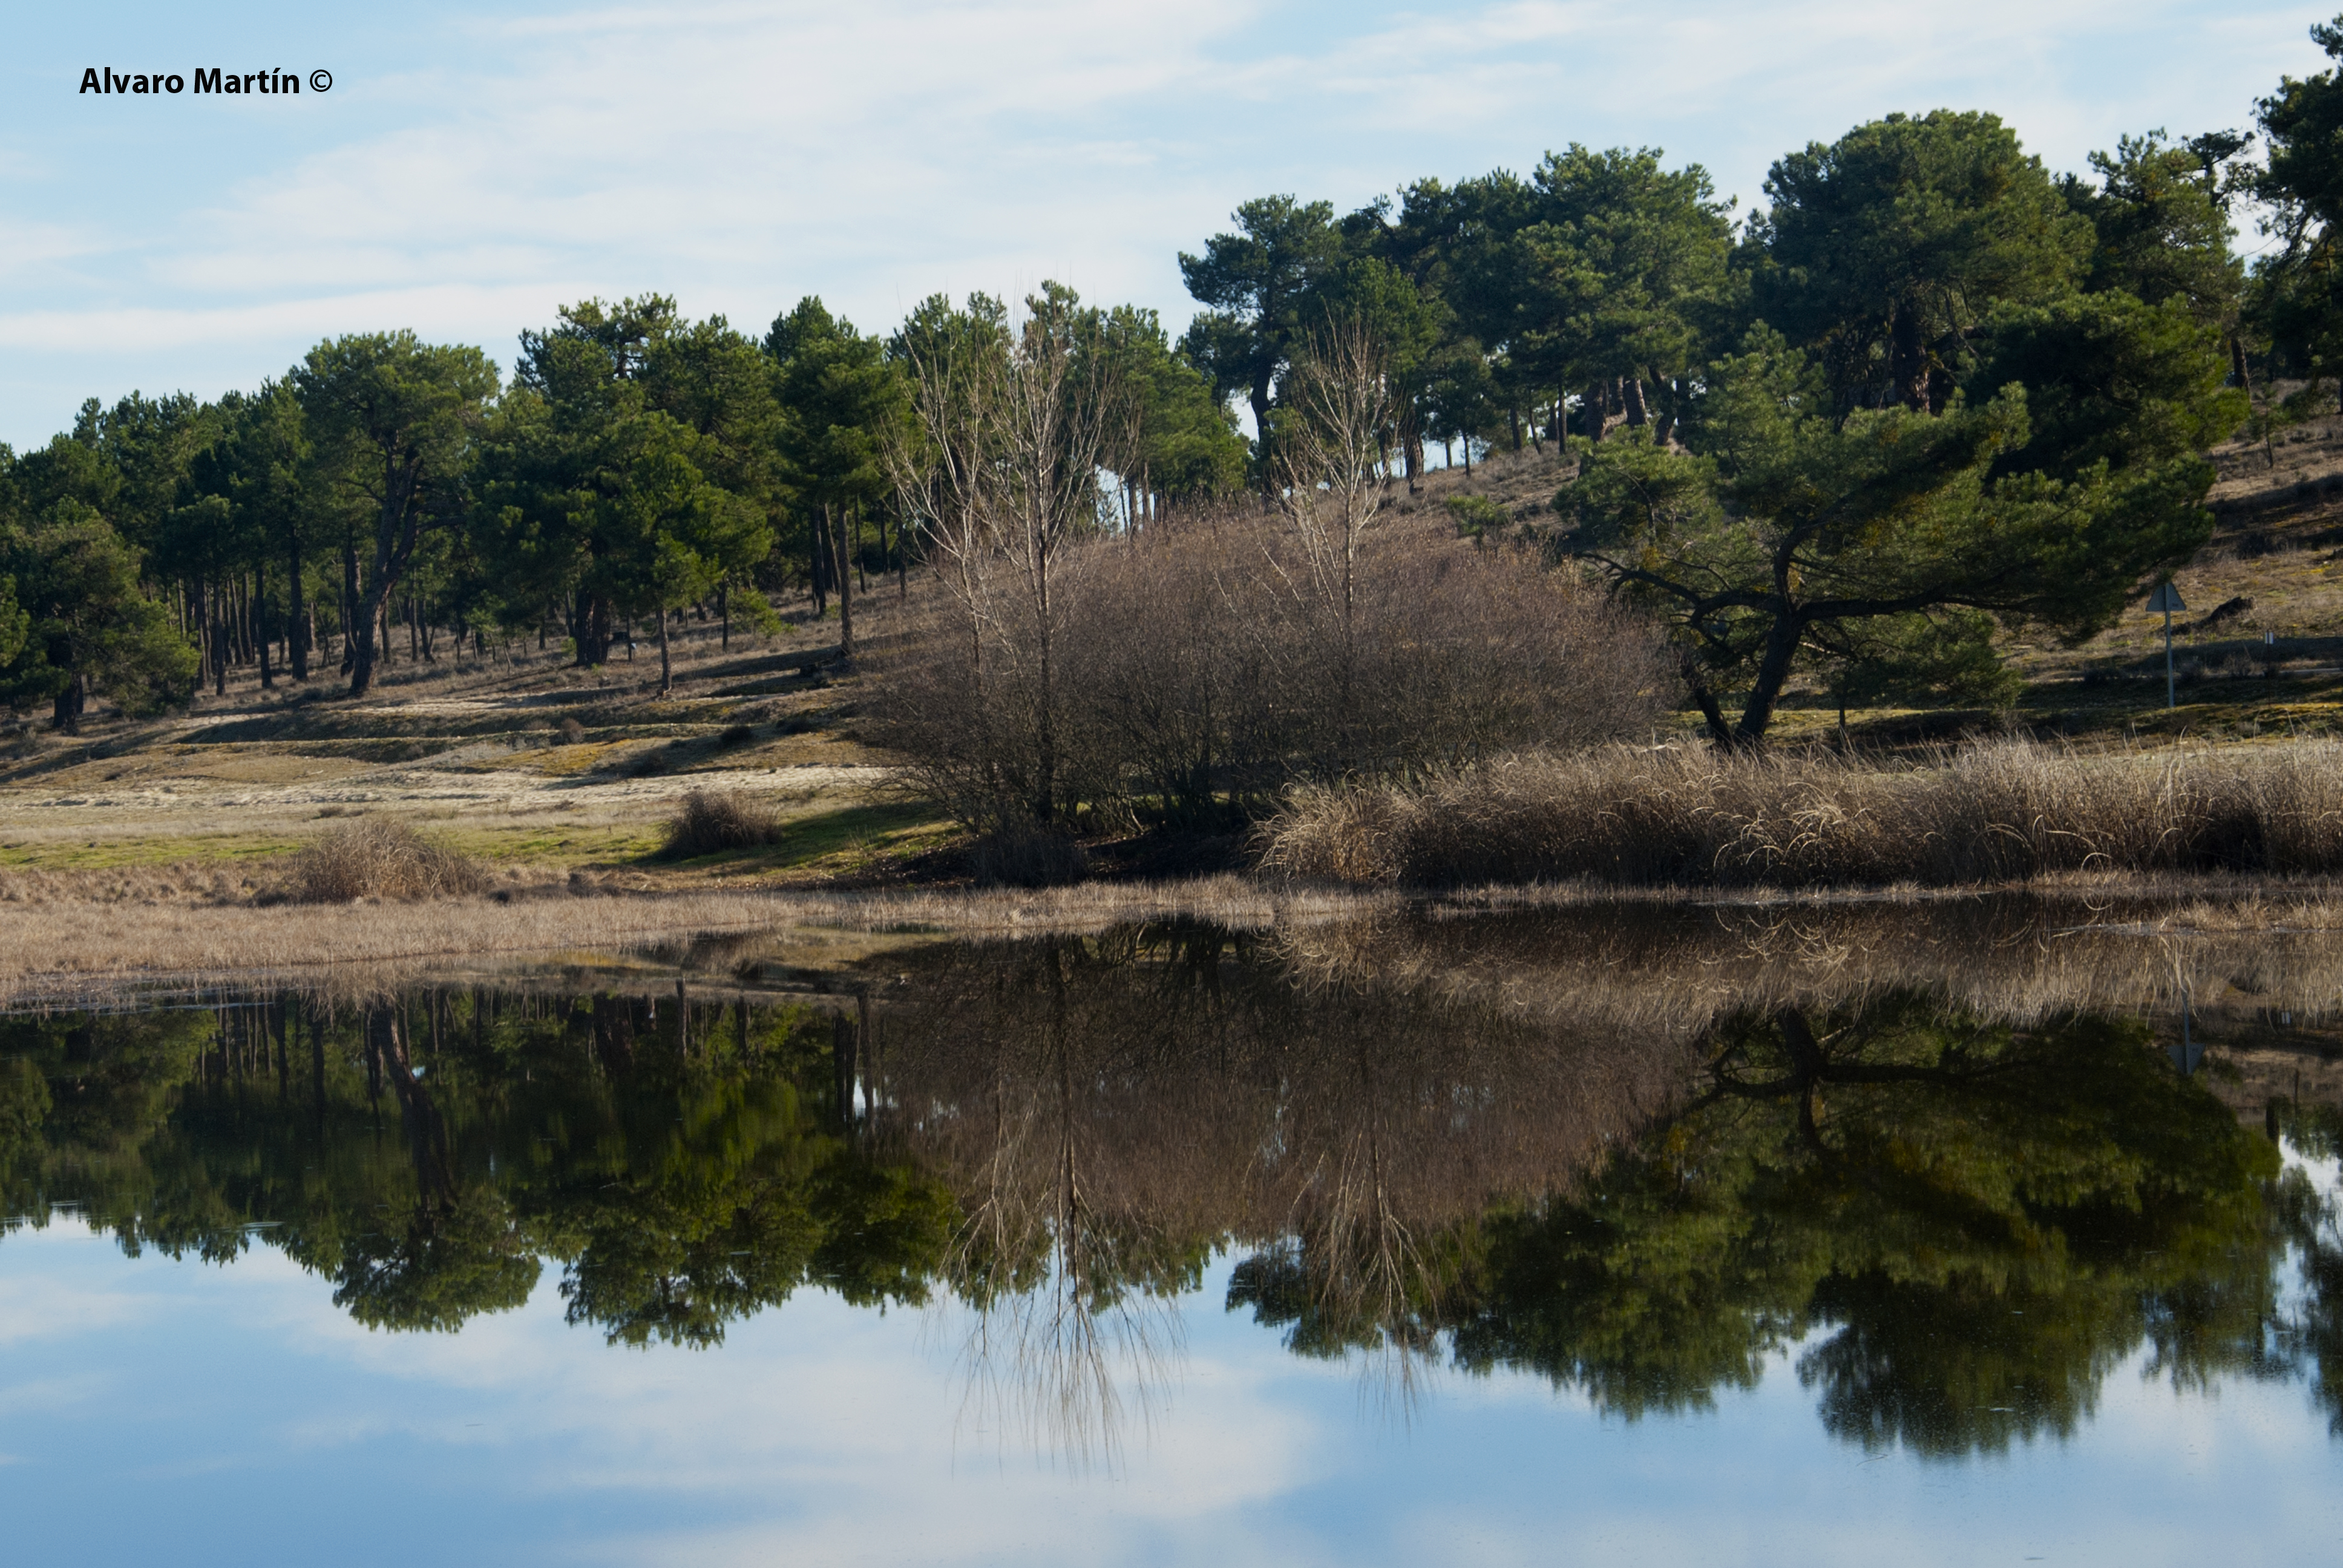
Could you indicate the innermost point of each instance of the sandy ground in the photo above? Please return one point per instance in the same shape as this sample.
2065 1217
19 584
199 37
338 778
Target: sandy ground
210 805
480 761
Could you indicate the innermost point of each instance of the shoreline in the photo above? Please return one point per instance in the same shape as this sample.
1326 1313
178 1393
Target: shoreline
58 949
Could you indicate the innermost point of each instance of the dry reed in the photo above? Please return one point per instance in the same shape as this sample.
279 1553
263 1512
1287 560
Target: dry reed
1999 812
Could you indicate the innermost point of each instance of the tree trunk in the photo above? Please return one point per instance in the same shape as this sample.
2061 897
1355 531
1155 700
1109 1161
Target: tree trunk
666 670
1594 410
1665 426
1908 361
821 565
2245 374
592 631
1630 392
845 590
373 623
260 630
66 710
1773 674
350 608
1259 398
296 625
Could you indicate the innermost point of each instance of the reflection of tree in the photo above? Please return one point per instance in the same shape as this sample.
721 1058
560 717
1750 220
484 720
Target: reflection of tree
425 1154
1958 1226
460 1253
1968 1226
2312 1332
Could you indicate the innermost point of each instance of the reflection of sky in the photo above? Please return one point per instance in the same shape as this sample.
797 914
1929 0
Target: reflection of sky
153 1411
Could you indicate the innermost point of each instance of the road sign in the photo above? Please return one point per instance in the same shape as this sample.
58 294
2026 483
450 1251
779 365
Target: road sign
2168 598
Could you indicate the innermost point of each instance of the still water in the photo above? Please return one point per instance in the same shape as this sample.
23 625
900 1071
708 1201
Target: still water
1590 1236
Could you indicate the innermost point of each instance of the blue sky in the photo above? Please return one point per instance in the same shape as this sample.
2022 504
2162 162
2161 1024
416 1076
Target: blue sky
476 166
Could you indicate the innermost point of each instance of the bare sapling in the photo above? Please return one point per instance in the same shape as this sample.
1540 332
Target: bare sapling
1332 479
1003 478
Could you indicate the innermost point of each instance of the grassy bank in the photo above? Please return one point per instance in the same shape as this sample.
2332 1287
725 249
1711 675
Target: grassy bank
1993 813
61 950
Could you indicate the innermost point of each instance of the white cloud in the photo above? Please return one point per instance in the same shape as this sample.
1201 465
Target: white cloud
740 155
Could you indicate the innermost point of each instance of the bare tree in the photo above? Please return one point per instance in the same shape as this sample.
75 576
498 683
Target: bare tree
1333 480
1004 478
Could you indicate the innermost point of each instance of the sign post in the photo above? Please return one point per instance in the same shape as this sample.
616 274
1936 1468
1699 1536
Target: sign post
2168 598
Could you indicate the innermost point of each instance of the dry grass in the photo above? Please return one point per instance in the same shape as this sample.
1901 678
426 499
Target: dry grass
1995 813
66 949
375 858
202 882
707 822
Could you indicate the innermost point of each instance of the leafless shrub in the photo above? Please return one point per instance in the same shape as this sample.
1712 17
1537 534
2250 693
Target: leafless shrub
1222 655
1999 811
1202 670
573 733
378 859
708 822
1026 856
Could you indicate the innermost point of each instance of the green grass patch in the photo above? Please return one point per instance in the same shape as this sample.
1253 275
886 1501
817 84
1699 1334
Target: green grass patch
847 838
556 842
105 853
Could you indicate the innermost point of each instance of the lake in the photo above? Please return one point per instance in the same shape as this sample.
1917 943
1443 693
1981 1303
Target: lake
1740 1234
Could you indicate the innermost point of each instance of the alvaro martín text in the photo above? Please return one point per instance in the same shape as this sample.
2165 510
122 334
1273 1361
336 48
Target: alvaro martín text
215 80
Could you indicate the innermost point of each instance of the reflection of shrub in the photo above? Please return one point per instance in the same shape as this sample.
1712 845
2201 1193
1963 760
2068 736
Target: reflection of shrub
1019 857
708 823
380 860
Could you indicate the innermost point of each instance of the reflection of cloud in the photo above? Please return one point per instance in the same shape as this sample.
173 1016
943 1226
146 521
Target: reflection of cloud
838 1418
823 1433
40 1306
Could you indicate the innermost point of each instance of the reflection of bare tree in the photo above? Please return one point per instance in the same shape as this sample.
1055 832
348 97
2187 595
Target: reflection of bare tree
1067 1266
1113 1110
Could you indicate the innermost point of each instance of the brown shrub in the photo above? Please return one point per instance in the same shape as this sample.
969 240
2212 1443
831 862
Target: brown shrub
573 733
1022 856
378 859
1199 669
708 823
1993 812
